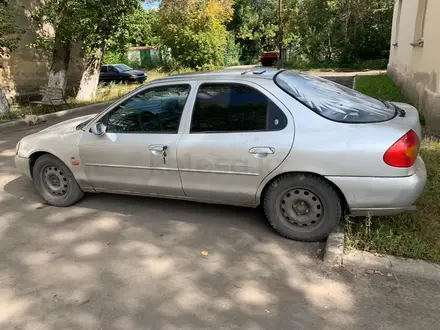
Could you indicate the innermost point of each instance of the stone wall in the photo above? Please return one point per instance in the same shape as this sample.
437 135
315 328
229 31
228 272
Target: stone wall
414 63
416 89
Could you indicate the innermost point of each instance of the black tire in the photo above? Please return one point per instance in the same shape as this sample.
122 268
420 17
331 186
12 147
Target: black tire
64 190
302 207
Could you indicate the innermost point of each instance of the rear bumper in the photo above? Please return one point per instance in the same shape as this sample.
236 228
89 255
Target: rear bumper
22 164
382 195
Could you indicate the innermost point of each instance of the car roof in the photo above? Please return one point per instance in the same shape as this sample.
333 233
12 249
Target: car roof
112 64
233 73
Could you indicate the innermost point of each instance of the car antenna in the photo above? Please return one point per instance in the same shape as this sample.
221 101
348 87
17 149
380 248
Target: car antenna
247 71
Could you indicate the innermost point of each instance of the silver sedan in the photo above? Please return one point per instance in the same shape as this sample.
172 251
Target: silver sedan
306 149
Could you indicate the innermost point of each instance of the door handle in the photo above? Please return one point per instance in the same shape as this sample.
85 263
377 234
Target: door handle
158 149
262 150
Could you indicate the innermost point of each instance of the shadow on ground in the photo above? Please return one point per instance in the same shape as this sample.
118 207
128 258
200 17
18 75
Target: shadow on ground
121 262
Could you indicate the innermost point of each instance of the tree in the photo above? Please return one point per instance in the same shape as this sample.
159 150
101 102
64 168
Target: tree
142 27
91 23
344 31
110 20
57 13
10 34
195 31
255 26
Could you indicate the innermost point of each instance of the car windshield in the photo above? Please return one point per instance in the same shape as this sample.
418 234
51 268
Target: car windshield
334 101
122 67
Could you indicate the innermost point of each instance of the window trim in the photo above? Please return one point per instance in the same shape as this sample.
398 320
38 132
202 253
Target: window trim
235 132
111 67
398 20
419 29
145 90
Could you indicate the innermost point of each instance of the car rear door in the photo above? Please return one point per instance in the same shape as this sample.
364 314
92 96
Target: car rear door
237 134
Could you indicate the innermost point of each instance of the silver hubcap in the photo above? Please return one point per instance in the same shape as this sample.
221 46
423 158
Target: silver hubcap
302 208
54 180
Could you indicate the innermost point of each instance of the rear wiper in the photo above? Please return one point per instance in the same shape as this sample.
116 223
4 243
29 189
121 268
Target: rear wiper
400 112
385 103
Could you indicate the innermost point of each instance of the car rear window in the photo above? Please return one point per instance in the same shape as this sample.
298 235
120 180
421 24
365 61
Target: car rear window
333 101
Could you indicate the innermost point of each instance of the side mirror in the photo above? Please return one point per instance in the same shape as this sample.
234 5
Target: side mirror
98 129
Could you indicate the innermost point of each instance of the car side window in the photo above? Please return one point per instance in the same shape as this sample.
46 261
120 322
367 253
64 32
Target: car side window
234 108
155 110
111 69
103 69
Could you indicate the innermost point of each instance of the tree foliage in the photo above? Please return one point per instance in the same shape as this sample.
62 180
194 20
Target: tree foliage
344 30
340 31
9 31
195 30
142 28
255 24
89 21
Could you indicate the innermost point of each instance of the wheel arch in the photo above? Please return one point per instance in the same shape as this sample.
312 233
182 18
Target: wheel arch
33 158
341 195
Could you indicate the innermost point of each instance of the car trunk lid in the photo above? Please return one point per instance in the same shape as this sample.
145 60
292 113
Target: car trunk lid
408 119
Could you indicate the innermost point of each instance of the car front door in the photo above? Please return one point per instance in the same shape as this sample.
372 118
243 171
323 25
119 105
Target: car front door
137 154
238 134
113 74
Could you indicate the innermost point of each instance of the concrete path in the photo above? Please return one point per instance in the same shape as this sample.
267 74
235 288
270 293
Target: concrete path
129 263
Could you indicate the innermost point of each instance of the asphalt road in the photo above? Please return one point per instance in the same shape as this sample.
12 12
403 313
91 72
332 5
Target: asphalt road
121 262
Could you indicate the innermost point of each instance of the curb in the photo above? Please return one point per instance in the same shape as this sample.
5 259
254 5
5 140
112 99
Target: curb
58 114
334 247
397 265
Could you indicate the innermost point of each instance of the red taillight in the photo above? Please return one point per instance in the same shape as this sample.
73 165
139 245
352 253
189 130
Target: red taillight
404 152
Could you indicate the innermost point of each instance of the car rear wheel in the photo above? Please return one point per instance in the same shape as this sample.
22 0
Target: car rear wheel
302 207
55 182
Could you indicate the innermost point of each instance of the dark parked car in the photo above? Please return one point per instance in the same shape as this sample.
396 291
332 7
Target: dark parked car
120 73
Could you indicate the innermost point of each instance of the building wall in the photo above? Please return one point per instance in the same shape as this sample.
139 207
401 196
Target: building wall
27 69
415 56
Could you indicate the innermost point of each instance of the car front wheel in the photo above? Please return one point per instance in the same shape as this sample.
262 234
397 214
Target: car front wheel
302 207
55 182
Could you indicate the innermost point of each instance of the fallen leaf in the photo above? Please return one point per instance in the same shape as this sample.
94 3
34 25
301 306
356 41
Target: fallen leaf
369 272
378 272
389 274
204 253
41 206
268 312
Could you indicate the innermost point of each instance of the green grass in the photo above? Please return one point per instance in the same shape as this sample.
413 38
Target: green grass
330 66
413 234
379 86
12 115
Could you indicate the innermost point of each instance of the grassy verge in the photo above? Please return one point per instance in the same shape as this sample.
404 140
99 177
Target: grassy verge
103 94
415 234
379 86
328 66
